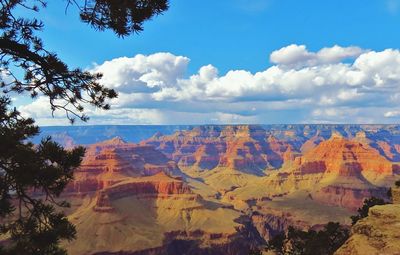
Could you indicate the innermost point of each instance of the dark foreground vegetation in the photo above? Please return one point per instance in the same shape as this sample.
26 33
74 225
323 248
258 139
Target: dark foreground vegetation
32 224
311 242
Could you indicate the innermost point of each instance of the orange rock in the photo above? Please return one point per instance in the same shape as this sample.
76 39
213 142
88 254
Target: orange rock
246 147
109 162
155 186
337 150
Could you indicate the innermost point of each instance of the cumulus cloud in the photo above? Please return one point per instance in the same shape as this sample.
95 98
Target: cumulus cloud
333 84
142 73
298 55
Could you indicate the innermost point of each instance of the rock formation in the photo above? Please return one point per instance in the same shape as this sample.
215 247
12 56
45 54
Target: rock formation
376 234
224 189
157 186
244 148
111 161
337 172
131 199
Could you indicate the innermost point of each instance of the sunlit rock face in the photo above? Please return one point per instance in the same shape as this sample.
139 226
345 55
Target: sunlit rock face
341 155
341 172
157 186
375 234
245 148
108 162
224 189
132 199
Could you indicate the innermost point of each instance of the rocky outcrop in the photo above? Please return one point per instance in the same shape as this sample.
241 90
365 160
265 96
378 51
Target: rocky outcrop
157 186
348 197
396 195
339 172
109 162
245 148
338 151
376 234
353 172
271 224
299 175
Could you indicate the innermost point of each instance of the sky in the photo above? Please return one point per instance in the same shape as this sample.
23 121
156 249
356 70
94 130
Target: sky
238 62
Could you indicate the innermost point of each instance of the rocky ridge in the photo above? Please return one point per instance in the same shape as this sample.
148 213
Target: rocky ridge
244 148
376 234
211 186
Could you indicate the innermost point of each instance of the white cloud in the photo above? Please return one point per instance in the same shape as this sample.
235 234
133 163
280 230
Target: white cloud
298 56
334 84
142 73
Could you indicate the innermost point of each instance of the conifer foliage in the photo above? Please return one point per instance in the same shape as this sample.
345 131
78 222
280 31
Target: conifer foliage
31 180
32 177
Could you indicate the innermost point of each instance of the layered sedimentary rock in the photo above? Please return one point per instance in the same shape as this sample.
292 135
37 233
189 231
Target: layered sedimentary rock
343 155
338 172
134 200
156 186
244 148
131 201
155 215
343 172
111 161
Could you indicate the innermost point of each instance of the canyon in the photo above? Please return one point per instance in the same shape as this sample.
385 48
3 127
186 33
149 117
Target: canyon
223 189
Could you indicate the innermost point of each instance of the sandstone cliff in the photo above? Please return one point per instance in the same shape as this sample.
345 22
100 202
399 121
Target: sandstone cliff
128 198
338 172
244 148
111 161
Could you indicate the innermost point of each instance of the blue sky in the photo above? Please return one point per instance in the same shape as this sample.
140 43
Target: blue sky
230 34
239 35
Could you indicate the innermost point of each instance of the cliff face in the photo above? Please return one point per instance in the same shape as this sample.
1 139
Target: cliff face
337 172
135 199
244 148
353 172
111 161
343 156
376 234
156 215
157 186
131 199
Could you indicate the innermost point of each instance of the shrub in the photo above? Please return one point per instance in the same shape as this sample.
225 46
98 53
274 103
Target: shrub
311 242
363 211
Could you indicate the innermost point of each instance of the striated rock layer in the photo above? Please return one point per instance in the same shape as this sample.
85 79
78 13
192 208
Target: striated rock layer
111 161
245 148
131 199
157 186
224 189
337 172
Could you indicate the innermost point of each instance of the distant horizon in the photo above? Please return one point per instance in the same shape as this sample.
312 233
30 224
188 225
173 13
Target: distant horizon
227 124
90 134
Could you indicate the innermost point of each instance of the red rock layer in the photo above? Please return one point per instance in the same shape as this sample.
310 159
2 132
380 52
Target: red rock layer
351 198
345 166
339 152
246 148
111 161
158 185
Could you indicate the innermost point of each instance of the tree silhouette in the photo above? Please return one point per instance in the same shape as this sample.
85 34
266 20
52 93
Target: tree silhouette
43 72
363 211
122 16
32 221
32 177
310 242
